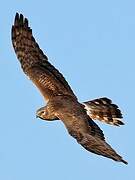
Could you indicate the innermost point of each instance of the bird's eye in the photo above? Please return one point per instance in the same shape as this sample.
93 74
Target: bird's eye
42 112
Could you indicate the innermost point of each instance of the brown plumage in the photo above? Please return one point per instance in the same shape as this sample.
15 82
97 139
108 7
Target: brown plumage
34 63
103 110
61 101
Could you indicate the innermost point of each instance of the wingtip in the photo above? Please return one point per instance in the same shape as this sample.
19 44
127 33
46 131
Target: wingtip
26 23
17 14
20 20
125 162
16 18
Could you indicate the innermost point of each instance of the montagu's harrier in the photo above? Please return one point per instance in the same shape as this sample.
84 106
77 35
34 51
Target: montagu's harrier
62 103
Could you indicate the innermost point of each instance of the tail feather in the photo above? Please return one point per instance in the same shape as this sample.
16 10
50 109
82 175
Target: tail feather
104 110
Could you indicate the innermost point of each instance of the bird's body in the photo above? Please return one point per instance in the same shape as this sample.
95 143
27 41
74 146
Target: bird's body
62 103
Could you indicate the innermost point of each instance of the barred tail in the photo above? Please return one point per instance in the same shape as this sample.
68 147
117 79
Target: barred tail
104 110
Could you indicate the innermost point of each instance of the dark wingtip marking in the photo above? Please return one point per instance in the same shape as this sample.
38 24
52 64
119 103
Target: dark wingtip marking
17 15
16 19
26 24
21 20
125 162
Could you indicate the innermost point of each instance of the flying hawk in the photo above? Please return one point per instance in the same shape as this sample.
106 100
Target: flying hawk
62 103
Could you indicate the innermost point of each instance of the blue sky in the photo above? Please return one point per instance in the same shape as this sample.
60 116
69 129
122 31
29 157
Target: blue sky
93 44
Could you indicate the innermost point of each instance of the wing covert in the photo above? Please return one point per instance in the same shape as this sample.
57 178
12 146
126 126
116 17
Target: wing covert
35 63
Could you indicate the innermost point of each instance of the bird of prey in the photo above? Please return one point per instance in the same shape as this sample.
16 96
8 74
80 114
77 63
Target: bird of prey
62 103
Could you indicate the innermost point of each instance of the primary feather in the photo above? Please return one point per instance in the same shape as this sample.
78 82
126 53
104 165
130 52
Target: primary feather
61 101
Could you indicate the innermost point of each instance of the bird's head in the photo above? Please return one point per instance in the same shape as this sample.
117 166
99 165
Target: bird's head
41 113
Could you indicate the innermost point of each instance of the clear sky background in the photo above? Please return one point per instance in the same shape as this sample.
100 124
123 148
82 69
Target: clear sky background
93 44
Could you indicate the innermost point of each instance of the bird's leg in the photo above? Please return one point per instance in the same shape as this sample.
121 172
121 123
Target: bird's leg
44 114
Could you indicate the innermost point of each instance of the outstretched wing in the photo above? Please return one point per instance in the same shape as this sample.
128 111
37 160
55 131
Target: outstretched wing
35 63
93 140
81 127
104 110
